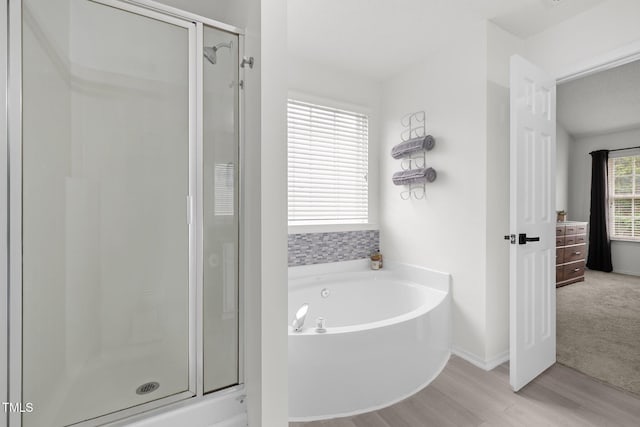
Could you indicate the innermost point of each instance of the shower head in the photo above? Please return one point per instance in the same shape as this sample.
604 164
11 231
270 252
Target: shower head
211 52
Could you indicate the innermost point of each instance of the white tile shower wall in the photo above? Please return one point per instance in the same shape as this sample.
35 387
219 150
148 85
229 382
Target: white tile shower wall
320 248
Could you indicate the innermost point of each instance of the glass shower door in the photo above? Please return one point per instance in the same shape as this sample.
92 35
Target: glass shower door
220 147
107 274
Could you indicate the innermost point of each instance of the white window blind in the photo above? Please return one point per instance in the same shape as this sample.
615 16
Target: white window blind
223 189
624 197
328 165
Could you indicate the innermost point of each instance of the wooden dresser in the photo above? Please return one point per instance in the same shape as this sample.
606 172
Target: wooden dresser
571 243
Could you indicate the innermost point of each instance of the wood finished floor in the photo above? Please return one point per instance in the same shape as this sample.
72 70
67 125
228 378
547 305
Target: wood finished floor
464 395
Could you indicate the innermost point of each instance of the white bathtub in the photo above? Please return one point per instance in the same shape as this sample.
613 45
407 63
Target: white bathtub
388 335
226 408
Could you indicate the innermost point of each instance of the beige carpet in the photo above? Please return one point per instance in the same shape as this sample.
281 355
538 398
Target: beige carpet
598 328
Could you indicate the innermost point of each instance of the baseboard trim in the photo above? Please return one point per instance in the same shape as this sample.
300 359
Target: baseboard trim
628 273
486 365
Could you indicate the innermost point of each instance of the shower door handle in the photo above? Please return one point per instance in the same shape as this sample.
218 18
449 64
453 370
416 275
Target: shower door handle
190 210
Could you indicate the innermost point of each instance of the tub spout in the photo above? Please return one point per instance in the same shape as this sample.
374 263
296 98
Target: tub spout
301 314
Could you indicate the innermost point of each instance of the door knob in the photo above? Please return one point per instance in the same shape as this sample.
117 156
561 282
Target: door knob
523 239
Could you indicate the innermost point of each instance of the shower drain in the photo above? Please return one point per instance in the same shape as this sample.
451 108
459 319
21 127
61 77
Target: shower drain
147 388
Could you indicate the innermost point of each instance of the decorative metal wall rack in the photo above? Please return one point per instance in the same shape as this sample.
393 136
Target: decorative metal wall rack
412 154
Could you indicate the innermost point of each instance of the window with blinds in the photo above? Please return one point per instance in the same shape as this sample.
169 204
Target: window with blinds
624 197
328 165
223 189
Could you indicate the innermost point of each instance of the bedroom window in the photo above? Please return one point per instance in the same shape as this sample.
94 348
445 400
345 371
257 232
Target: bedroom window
328 165
624 197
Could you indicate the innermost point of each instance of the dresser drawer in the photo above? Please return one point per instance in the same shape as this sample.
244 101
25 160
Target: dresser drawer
559 255
573 270
573 253
559 241
559 230
581 229
569 230
569 240
559 273
580 239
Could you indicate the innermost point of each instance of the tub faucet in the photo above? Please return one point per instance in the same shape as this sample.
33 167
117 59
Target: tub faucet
301 314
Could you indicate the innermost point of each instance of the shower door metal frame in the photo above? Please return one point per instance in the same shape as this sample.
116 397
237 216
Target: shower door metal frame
239 113
14 206
4 214
11 188
200 22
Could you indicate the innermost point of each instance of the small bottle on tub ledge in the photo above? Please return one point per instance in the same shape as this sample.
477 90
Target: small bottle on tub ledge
320 325
376 260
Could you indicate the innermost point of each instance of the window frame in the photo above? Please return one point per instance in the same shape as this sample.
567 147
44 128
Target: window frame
632 153
372 163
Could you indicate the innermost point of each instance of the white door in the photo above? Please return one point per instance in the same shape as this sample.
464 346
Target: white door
532 222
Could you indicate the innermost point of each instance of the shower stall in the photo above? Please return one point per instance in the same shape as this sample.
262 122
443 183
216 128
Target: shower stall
124 189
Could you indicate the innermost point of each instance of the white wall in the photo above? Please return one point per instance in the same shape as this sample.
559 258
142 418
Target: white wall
497 249
315 82
274 213
500 46
315 79
596 32
445 231
625 255
563 142
459 228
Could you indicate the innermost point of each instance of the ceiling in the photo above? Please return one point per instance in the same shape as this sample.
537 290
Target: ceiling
605 102
376 38
533 17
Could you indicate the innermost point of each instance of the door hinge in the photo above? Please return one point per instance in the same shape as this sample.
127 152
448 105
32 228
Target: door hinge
247 60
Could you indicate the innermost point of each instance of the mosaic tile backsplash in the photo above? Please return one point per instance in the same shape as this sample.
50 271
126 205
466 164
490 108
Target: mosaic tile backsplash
319 248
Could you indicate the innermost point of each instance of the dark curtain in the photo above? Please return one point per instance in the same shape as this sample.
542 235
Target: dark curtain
599 243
